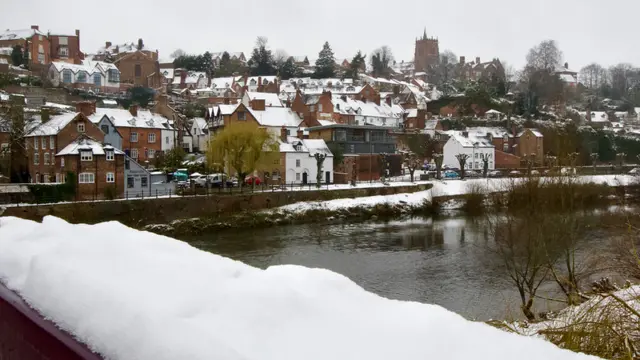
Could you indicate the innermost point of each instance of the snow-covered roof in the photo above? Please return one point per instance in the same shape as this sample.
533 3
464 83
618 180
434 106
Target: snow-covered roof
430 124
123 118
483 131
85 143
492 111
535 132
270 99
568 78
226 109
222 82
311 146
88 66
347 106
470 140
123 48
19 34
277 117
53 125
596 116
167 73
265 79
109 102
200 123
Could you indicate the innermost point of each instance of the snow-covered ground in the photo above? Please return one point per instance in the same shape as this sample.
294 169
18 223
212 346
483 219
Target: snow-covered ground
135 295
440 188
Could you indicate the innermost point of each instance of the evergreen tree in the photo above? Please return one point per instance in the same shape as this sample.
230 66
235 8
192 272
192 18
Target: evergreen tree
16 55
326 63
381 62
25 57
288 69
356 65
262 62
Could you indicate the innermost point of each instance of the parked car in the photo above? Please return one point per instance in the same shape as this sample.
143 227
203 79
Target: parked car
200 180
450 174
635 171
217 180
515 173
494 173
472 174
252 180
535 173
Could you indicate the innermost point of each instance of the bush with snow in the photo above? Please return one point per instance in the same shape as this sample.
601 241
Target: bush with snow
135 295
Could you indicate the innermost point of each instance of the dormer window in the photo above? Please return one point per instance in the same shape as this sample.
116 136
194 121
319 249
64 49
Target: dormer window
298 147
86 156
80 127
109 155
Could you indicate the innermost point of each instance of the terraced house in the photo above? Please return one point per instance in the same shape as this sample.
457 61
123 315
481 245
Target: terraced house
97 76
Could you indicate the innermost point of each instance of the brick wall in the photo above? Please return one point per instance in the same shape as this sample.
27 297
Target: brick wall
142 143
99 166
505 160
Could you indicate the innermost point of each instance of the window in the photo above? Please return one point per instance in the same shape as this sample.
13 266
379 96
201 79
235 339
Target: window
320 107
52 143
63 51
86 178
109 155
298 147
41 58
114 75
298 163
126 164
36 159
505 147
166 140
133 137
97 79
312 108
144 181
111 177
80 127
146 153
151 138
4 149
476 155
297 176
66 76
152 153
242 115
130 182
138 70
61 162
86 156
47 159
134 154
35 143
63 40
276 162
58 180
104 128
44 142
82 77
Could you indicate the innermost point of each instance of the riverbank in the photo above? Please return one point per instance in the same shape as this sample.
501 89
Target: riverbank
474 196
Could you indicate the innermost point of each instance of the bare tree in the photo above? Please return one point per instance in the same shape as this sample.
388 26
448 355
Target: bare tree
485 163
448 57
545 56
592 76
319 162
280 57
178 53
14 118
412 161
462 160
437 158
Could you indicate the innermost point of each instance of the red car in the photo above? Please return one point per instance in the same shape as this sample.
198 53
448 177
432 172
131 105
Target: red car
249 180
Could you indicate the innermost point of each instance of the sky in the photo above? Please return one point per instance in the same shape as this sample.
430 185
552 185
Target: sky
586 30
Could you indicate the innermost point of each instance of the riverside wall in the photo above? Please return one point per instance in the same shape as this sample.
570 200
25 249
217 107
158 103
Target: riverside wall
138 213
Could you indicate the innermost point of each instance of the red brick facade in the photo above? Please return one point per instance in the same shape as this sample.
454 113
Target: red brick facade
66 48
108 175
140 68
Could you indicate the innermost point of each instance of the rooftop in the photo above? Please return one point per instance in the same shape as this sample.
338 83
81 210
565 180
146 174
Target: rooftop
85 143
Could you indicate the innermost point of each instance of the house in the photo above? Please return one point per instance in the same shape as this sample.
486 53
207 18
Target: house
142 183
477 70
504 142
416 120
200 133
568 76
138 64
32 39
217 56
189 80
493 115
275 118
530 142
175 134
65 47
262 84
53 134
97 76
99 168
298 164
270 99
463 142
143 133
300 60
111 134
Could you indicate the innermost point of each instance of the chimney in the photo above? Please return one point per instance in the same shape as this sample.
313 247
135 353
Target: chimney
388 100
288 103
44 115
107 44
300 134
77 33
283 134
183 77
566 65
35 27
226 101
462 60
465 134
133 109
258 104
477 60
87 108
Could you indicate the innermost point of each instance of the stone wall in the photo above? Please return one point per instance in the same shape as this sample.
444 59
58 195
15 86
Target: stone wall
138 213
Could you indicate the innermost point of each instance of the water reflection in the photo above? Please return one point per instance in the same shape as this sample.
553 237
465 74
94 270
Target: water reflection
443 261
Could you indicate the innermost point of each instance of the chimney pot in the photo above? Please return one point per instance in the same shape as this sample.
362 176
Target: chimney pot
77 33
566 65
283 134
465 134
477 60
388 99
35 27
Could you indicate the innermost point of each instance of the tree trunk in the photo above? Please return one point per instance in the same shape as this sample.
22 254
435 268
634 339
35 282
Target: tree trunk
411 172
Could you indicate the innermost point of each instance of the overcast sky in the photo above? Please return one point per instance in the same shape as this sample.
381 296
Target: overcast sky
586 30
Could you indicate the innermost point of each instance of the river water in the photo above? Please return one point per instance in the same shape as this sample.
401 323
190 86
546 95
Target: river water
441 261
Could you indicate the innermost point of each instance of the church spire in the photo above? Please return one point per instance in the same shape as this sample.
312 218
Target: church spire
424 37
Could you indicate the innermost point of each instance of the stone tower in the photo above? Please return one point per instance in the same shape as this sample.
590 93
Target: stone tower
426 52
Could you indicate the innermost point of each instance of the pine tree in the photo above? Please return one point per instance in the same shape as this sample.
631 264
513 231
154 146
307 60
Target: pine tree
262 62
288 69
356 65
326 63
16 55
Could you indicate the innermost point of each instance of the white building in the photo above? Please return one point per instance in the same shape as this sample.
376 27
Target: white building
367 113
463 142
254 82
270 99
200 134
300 164
97 76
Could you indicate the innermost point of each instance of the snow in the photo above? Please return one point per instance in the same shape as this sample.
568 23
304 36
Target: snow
277 117
54 125
130 294
87 144
270 99
123 118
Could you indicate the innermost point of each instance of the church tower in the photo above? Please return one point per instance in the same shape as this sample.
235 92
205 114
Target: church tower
426 53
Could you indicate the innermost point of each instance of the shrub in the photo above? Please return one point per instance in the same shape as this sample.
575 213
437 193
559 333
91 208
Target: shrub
44 193
474 198
110 192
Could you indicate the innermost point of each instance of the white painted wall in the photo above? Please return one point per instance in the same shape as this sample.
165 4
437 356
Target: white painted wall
168 139
453 148
57 79
307 164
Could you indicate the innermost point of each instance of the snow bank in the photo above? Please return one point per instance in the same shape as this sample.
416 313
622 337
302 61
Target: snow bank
135 295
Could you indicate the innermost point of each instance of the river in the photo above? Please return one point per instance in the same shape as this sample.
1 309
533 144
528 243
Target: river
441 261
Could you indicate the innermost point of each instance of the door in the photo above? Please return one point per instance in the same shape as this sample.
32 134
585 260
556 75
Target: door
304 178
327 177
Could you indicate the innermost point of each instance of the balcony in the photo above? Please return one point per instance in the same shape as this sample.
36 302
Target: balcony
349 147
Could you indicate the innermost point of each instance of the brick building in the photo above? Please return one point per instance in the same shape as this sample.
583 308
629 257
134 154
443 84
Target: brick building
99 168
476 70
138 64
65 47
427 53
34 40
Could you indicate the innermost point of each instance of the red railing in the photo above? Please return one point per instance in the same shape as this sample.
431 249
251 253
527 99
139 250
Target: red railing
25 335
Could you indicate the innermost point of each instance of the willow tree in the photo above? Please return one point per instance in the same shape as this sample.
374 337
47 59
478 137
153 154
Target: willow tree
244 148
462 160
